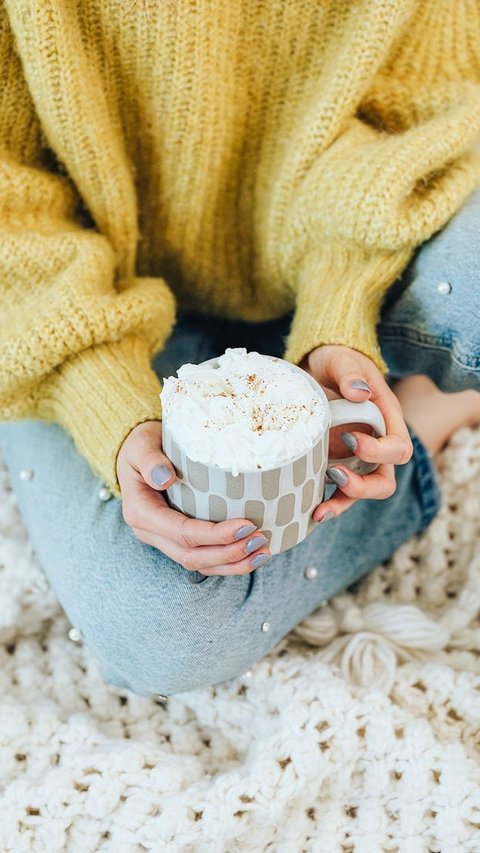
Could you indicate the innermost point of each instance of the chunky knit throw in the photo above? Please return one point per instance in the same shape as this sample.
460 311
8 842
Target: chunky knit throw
238 158
358 733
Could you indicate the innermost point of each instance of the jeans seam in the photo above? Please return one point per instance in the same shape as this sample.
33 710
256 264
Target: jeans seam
392 332
430 492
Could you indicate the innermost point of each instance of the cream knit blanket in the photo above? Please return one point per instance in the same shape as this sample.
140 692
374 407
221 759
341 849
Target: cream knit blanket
359 733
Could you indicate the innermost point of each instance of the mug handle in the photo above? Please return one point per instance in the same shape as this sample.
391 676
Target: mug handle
348 412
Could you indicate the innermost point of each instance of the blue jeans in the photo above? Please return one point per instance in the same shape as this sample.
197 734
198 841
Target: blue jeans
157 628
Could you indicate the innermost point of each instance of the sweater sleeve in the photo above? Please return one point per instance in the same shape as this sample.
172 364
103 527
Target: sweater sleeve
401 168
76 339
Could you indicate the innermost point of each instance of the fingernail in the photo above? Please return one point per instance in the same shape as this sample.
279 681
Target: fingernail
350 440
245 531
259 560
339 477
254 543
160 475
360 384
328 515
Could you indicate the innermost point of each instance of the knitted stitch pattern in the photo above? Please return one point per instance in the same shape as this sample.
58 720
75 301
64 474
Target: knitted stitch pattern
228 157
358 732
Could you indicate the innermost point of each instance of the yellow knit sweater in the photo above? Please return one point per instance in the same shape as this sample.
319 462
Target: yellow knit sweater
235 157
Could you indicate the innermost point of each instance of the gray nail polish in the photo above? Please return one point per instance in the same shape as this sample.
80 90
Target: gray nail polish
350 440
245 531
259 560
360 385
254 543
338 477
328 515
160 475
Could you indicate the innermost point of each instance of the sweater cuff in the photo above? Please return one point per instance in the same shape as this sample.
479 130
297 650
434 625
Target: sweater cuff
340 289
99 396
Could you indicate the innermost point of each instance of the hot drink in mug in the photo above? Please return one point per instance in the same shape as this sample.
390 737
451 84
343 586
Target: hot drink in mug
248 435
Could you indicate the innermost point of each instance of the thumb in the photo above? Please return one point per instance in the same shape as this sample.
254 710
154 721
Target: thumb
352 381
149 459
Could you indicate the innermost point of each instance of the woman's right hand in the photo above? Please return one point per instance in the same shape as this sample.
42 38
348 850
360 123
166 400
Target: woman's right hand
213 548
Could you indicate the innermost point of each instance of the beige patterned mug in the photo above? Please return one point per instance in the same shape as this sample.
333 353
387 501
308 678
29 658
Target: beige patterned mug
279 500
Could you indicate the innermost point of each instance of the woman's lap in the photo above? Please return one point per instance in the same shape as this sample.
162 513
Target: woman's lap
155 627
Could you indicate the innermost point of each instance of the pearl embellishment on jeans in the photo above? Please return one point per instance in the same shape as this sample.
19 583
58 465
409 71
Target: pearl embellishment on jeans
248 674
104 494
266 627
75 635
311 572
26 474
444 287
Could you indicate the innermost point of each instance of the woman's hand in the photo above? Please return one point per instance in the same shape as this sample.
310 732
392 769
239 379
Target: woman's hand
335 367
213 548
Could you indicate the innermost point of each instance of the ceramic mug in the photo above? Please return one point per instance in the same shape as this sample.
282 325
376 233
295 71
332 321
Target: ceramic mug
279 500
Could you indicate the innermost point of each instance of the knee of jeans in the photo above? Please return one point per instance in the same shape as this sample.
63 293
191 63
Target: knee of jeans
184 637
434 309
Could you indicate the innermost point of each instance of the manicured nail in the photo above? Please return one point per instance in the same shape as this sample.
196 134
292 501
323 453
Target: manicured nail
328 515
245 531
339 477
350 440
160 475
259 560
254 543
359 384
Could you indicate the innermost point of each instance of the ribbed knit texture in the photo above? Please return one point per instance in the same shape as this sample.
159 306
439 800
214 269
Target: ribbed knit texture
229 157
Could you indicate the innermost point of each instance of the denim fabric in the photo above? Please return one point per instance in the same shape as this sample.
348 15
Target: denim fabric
426 327
156 628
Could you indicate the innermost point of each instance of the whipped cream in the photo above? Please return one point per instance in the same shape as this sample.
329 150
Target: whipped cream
244 411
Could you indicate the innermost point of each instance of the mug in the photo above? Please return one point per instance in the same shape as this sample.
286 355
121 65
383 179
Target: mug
279 500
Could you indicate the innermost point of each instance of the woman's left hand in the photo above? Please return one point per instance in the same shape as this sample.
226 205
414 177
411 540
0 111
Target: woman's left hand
335 367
